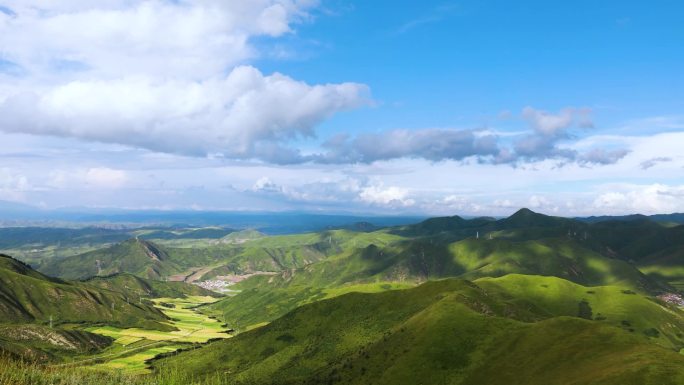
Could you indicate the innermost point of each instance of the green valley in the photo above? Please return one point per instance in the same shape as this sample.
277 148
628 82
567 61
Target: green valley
441 301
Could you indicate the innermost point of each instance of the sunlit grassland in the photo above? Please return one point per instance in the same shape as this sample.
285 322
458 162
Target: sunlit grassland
134 346
613 305
136 363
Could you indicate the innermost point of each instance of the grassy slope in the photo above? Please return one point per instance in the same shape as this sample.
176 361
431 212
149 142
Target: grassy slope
260 254
41 343
611 305
410 262
288 252
441 332
135 287
29 296
133 256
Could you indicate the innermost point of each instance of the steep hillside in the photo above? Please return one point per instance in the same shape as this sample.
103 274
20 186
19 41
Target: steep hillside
134 256
410 262
39 343
634 240
29 296
236 255
443 332
666 265
136 287
613 305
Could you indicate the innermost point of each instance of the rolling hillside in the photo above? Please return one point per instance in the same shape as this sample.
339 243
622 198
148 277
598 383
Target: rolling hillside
136 287
442 332
410 262
29 296
133 256
239 254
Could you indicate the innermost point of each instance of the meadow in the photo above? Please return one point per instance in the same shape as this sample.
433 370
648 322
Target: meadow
134 346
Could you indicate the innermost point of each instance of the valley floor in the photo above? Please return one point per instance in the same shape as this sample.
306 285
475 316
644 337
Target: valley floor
133 347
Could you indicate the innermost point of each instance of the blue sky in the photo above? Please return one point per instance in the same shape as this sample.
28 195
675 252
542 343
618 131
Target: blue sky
431 107
435 63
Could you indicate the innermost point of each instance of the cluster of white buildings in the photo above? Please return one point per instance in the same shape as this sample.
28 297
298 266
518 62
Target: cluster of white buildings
215 285
672 298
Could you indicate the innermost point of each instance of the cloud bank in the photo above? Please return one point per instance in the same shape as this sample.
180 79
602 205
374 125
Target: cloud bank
174 77
546 135
159 75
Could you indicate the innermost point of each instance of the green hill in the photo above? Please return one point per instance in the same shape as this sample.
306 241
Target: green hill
29 296
442 332
236 256
522 225
134 256
136 287
611 305
410 262
39 343
634 240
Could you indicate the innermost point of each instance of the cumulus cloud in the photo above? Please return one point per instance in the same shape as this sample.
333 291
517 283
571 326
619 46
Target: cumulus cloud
547 132
174 77
160 75
114 38
244 115
340 191
430 144
645 199
386 196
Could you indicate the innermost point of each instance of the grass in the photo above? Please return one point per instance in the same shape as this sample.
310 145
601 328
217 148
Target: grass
29 296
136 363
13 372
449 331
141 345
611 305
402 264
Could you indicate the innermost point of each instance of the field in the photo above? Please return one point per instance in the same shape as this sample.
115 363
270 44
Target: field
132 347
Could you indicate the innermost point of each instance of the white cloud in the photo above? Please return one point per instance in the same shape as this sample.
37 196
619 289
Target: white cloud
549 124
644 199
187 39
106 177
96 178
167 76
431 144
13 185
386 196
244 115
